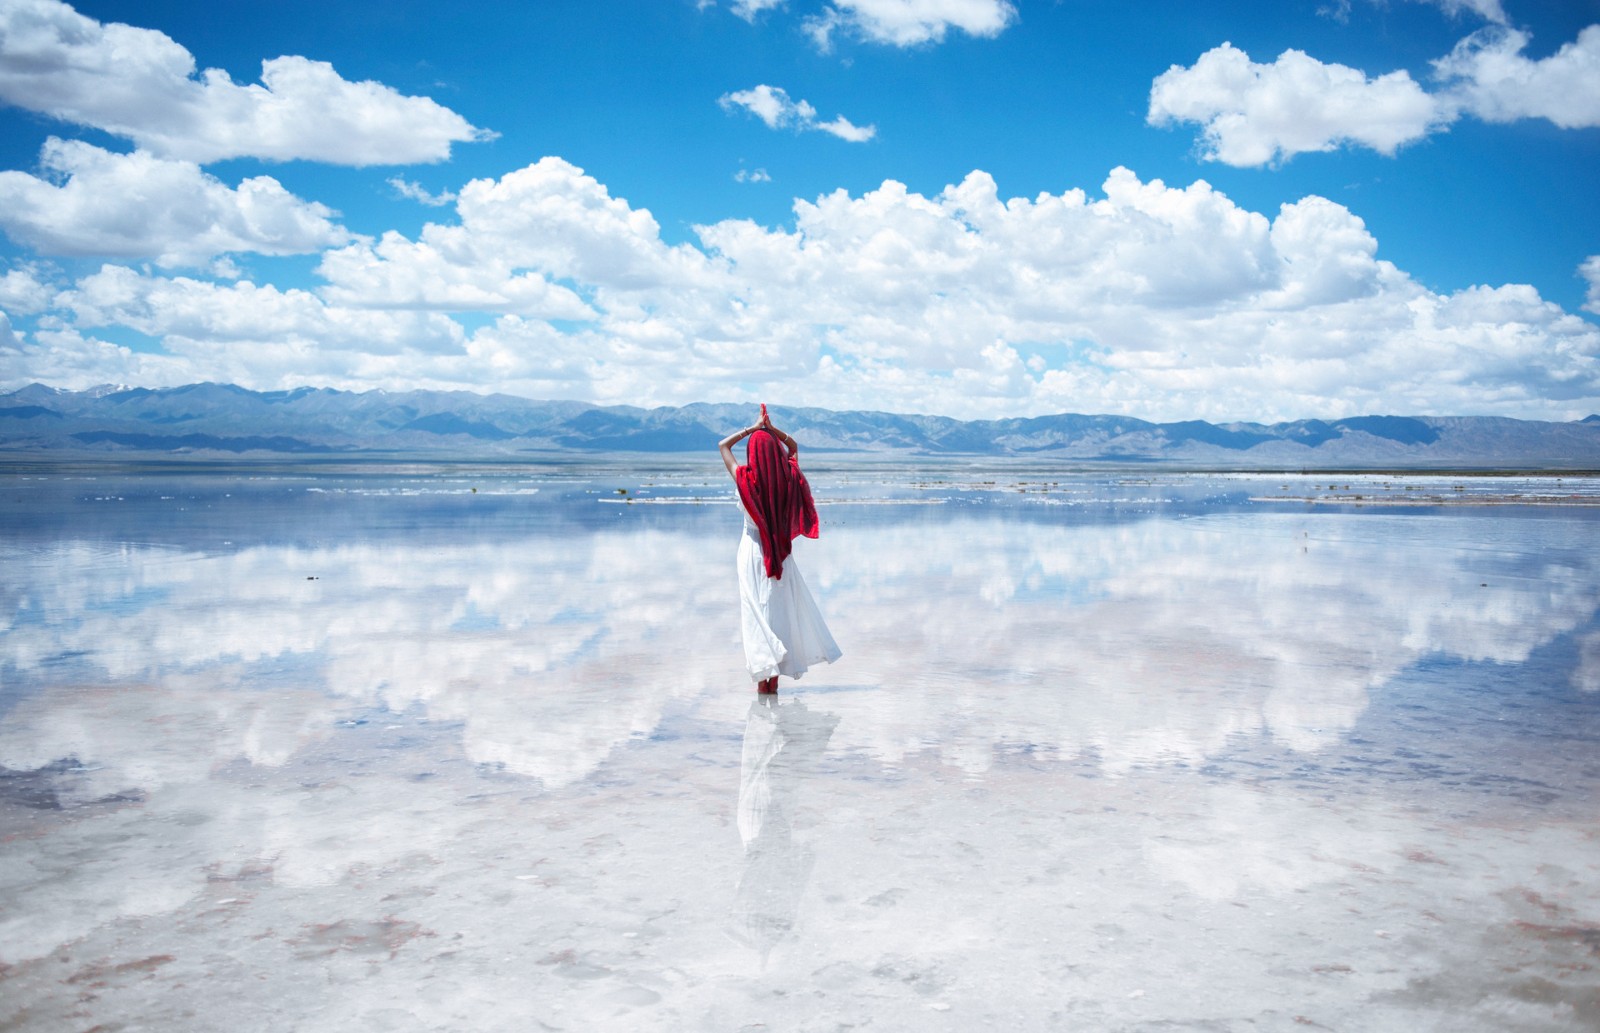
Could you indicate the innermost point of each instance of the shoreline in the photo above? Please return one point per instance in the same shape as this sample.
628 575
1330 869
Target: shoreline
1430 501
16 464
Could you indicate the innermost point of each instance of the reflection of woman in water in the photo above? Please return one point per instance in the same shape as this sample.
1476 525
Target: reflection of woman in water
784 633
782 745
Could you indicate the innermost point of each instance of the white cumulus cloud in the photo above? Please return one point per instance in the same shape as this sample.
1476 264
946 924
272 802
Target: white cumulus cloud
909 23
431 274
23 293
750 9
844 129
773 106
1487 76
1157 300
66 358
417 192
249 333
1590 271
141 84
100 204
1253 114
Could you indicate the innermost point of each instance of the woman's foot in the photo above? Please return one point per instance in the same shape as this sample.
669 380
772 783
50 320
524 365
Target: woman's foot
768 685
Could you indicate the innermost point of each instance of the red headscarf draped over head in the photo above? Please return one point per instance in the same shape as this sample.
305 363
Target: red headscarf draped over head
777 497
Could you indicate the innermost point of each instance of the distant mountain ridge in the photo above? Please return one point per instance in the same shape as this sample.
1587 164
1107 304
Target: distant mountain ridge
221 420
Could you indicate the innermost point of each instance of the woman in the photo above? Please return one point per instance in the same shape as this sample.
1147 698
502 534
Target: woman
784 633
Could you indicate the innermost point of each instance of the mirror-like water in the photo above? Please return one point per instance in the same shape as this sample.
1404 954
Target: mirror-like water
473 749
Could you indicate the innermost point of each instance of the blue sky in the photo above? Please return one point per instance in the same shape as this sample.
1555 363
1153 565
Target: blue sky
970 207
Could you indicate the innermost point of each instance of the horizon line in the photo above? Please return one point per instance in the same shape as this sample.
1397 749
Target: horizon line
110 388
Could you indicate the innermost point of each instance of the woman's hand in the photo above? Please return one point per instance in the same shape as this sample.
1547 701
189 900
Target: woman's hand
765 423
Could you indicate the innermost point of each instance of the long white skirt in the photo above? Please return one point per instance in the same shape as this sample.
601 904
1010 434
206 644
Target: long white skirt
784 632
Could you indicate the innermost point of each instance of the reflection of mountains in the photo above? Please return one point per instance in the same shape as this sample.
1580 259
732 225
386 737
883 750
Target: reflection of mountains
227 511
222 510
1136 641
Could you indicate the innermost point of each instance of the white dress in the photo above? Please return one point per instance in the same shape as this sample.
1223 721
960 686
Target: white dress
784 632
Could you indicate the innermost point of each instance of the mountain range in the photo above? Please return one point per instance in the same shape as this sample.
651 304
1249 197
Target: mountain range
222 420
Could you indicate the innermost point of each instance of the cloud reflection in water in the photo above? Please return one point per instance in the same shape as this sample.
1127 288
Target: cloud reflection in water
1139 642
1159 640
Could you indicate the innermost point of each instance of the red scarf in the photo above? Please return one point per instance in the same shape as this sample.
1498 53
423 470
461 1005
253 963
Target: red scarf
777 497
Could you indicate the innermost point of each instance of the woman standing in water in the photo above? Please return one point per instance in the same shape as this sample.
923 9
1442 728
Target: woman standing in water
784 633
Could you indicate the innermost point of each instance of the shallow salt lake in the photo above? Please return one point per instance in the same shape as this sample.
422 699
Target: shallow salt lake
471 748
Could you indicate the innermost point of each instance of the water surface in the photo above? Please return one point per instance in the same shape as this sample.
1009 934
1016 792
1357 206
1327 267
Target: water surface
471 748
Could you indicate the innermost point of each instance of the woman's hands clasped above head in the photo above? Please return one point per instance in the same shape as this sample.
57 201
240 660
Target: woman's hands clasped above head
764 423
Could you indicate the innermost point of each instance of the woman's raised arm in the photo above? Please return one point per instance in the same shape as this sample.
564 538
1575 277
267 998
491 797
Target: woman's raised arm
725 446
